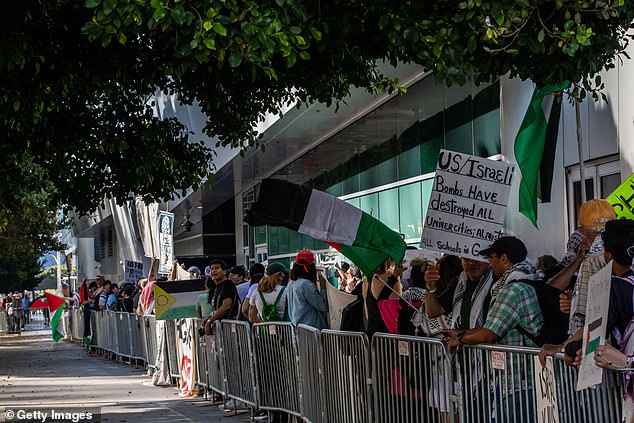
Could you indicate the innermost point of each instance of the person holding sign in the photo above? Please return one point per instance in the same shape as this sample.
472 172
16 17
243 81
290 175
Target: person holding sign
514 318
618 240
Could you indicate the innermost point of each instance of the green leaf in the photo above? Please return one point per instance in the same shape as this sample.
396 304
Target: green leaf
383 20
178 14
541 35
91 4
210 43
304 55
316 34
235 60
280 3
437 49
220 29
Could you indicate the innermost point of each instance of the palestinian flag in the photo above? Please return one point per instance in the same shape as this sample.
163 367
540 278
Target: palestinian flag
535 147
363 239
177 299
56 308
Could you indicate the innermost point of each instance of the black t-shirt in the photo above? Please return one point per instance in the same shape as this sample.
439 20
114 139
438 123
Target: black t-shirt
226 289
621 308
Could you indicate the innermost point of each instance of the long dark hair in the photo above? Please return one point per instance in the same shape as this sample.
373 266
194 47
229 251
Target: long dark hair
306 271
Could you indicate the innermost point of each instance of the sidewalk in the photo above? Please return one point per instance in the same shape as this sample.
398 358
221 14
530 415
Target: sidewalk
37 372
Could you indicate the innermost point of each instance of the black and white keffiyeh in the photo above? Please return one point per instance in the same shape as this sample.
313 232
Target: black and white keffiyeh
522 270
476 318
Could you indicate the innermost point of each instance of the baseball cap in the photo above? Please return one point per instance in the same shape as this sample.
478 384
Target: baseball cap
274 268
513 247
593 214
238 270
305 257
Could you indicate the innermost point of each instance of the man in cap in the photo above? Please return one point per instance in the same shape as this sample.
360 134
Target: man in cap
237 275
593 215
306 304
512 304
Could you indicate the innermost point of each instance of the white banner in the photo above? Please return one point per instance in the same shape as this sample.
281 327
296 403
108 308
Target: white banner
594 330
467 205
166 241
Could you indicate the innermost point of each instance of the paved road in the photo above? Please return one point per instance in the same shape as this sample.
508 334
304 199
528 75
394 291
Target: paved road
37 372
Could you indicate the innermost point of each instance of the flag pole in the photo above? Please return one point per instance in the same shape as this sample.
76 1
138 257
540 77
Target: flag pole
580 151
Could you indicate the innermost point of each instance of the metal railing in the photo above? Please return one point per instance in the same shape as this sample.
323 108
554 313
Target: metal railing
347 377
412 379
276 367
333 376
237 351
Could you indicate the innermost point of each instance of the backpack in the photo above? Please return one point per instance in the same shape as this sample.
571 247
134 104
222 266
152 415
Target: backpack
269 311
555 327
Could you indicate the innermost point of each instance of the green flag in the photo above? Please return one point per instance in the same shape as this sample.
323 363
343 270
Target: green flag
530 142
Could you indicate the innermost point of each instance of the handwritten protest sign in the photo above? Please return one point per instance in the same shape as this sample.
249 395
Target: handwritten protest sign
622 199
594 329
133 271
546 392
467 205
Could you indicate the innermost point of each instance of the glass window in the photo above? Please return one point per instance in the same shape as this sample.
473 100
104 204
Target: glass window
370 204
245 235
388 209
409 163
355 202
274 240
426 186
429 151
260 235
486 133
410 210
381 174
609 183
576 187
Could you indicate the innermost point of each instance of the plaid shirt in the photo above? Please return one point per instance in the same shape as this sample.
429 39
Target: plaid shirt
590 265
516 305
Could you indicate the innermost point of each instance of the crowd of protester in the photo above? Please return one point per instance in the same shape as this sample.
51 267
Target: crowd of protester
500 296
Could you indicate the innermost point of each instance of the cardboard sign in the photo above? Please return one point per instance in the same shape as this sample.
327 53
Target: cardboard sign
622 199
594 329
467 204
546 391
403 348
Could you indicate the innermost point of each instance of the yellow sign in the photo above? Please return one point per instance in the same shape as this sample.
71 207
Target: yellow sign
162 301
622 199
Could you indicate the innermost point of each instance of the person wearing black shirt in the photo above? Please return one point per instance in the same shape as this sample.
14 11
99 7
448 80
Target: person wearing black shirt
224 297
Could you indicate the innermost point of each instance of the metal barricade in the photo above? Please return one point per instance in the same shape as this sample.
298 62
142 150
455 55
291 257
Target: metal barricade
215 367
599 404
412 379
347 378
237 353
137 330
170 331
97 329
77 324
150 340
200 343
111 331
311 372
122 322
276 367
3 322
